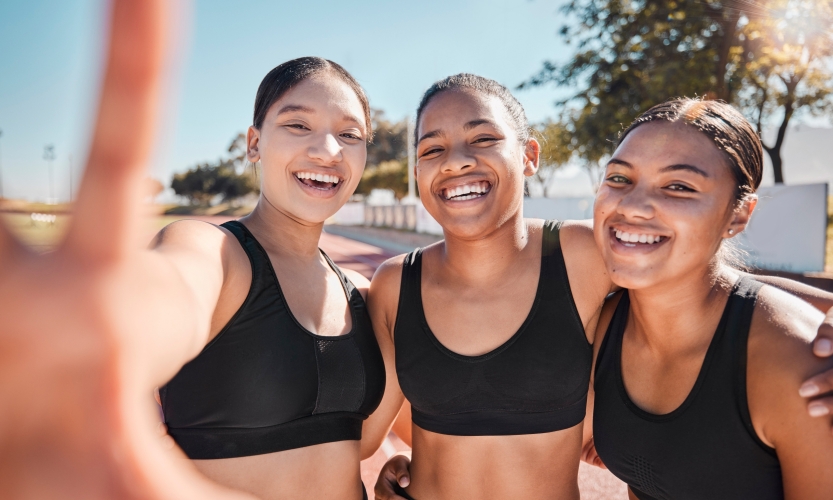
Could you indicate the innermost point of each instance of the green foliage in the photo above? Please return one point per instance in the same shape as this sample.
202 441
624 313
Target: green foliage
787 52
387 157
633 54
391 174
225 179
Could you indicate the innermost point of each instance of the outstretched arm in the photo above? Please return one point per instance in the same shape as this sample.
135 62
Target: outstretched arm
78 419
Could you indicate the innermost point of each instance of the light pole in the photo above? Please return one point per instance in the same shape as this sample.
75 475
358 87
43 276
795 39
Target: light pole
49 156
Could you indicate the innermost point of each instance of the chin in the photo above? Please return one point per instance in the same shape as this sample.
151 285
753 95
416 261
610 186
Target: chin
633 278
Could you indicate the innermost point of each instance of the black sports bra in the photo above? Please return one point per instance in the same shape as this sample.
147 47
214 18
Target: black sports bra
266 384
705 449
535 382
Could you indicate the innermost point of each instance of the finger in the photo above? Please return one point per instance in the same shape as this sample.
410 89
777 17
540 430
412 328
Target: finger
816 385
820 407
823 345
107 218
8 245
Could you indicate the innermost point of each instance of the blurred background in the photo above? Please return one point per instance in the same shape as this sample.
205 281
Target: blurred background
583 70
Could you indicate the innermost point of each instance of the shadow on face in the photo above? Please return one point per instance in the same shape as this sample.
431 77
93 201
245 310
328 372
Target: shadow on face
667 202
470 163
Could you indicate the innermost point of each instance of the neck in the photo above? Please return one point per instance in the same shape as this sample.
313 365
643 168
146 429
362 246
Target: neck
282 234
489 256
679 314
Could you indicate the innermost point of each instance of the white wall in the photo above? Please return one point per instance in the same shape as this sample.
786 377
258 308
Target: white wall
788 231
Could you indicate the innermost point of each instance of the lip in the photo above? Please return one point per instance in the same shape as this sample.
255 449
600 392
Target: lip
634 248
322 193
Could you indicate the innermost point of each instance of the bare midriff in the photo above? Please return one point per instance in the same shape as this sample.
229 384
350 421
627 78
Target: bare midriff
531 466
329 470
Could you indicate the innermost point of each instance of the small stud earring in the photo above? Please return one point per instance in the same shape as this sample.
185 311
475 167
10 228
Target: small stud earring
731 231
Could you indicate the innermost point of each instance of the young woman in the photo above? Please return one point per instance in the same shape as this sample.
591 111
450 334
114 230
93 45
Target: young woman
291 368
491 327
697 368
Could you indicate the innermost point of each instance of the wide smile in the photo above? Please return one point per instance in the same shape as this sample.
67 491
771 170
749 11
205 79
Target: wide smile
318 183
632 241
464 192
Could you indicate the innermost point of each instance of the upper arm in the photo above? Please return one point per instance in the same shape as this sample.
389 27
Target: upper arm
199 254
382 303
779 359
586 270
605 317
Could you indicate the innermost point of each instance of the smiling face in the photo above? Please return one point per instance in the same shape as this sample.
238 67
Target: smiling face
312 147
470 164
667 201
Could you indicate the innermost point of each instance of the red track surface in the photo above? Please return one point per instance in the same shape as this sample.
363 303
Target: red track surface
594 483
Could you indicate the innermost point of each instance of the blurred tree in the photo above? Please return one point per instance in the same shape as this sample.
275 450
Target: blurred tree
787 53
387 157
227 178
392 174
555 153
633 54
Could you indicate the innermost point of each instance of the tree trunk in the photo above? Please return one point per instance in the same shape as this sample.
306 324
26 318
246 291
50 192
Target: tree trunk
729 23
777 164
774 151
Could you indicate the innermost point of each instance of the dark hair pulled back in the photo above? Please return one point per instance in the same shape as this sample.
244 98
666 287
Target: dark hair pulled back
283 77
480 85
725 126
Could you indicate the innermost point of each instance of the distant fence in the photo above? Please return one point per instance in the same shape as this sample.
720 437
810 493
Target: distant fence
788 231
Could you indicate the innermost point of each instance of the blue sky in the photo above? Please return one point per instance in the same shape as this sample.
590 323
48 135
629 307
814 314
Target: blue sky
51 51
50 55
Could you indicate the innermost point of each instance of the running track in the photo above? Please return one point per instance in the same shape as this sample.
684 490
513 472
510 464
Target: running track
594 483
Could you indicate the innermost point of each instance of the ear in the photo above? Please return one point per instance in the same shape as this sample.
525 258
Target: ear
532 154
740 216
252 143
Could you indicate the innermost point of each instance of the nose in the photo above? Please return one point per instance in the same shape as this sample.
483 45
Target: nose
458 159
326 149
636 203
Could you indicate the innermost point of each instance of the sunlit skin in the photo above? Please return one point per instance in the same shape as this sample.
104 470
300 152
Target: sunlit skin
317 127
478 284
477 289
670 180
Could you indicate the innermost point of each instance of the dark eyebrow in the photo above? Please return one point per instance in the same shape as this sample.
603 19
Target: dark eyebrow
289 108
475 123
431 135
683 166
617 161
669 168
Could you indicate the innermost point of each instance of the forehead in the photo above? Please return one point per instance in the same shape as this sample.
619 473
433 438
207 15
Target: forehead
661 143
322 94
452 109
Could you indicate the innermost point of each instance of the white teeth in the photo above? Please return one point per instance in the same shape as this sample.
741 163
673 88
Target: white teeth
625 237
318 177
463 192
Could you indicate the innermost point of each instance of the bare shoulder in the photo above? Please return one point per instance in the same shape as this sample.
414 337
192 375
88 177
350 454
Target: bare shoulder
386 279
783 326
779 359
191 234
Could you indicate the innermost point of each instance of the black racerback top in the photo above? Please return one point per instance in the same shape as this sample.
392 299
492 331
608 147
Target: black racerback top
707 448
536 382
267 384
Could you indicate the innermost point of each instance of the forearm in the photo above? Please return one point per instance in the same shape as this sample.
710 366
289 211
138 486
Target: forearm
818 298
